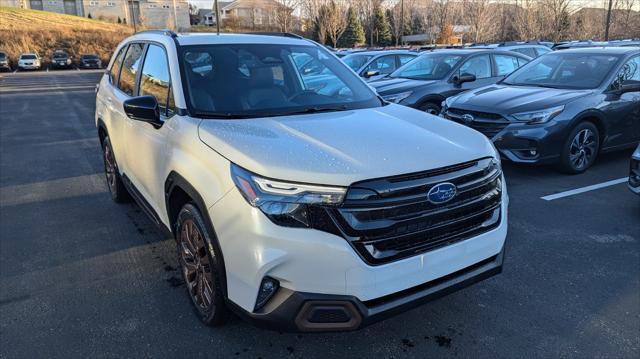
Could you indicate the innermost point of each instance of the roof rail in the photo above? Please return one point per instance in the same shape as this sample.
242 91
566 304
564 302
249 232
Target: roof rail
166 32
283 34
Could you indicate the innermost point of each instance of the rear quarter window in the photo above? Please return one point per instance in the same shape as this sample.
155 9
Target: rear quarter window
117 64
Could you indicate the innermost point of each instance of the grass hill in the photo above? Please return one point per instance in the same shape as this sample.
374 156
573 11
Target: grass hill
44 32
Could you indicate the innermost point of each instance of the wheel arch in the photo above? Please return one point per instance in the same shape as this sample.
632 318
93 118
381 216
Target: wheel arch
597 119
430 98
178 192
102 130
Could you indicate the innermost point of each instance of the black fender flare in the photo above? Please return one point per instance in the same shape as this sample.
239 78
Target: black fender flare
175 180
433 98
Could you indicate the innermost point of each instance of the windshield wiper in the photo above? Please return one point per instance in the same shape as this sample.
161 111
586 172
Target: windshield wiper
316 109
225 115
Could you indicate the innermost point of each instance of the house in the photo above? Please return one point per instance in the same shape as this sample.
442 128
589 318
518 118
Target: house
245 13
149 13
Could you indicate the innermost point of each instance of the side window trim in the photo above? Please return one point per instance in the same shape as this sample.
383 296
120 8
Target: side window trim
136 84
617 72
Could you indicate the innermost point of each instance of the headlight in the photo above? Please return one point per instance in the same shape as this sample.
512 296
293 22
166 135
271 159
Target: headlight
541 116
447 103
285 203
68 61
397 97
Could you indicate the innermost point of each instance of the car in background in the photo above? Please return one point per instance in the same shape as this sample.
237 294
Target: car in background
434 76
373 65
4 62
29 61
60 60
532 49
562 108
634 172
579 44
90 61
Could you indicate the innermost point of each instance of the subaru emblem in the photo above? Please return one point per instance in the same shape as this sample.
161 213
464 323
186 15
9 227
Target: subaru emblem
467 118
441 193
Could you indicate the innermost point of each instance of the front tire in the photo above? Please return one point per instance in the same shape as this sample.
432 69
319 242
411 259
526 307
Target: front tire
431 108
580 149
201 266
117 189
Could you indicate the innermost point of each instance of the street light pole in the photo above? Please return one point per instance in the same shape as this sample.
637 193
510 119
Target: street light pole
133 16
215 3
606 29
401 20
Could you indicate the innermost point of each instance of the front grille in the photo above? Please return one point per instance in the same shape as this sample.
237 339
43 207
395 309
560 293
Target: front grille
489 124
392 218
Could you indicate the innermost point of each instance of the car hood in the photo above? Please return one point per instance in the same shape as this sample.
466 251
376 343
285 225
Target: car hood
340 148
513 99
391 86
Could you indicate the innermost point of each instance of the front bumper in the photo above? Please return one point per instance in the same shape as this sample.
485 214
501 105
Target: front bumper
90 65
293 311
323 269
29 67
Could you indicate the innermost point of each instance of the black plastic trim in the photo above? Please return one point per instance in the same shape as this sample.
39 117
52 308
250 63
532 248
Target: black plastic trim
285 312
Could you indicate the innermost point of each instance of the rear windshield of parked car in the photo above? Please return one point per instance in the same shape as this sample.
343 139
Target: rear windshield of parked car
565 70
259 80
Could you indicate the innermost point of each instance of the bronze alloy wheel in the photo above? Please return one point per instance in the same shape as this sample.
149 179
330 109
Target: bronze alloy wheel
196 266
110 168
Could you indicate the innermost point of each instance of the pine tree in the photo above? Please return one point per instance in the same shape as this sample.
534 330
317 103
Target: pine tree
382 28
89 16
119 20
354 33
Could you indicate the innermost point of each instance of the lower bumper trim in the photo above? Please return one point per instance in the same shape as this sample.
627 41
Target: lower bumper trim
292 311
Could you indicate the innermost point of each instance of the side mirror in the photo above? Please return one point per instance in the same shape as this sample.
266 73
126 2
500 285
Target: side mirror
143 108
630 86
371 73
464 78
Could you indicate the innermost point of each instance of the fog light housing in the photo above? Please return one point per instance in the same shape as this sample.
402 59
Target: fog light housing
268 287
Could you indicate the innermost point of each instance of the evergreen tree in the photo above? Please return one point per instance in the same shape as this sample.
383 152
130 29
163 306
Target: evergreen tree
354 33
119 20
89 16
382 28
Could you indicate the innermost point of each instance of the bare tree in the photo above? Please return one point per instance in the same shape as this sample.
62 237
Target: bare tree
284 13
334 18
479 15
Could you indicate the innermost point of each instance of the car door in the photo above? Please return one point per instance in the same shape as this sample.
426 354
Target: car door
110 105
147 143
480 66
622 111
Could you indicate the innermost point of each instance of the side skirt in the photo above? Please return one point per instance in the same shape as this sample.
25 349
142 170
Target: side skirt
146 207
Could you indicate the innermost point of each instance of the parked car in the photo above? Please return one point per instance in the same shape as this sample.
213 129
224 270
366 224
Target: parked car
432 77
565 107
532 49
281 209
90 61
29 61
373 65
579 44
4 62
60 60
634 172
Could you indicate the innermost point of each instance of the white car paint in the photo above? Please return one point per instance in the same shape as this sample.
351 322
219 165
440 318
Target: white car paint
336 148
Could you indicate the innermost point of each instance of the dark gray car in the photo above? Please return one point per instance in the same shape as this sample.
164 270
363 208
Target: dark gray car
429 79
373 65
564 107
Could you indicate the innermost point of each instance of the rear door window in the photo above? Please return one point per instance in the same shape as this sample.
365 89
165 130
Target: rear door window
505 64
383 64
117 64
130 66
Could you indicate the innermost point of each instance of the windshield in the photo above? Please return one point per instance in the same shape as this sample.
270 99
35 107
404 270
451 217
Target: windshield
356 61
564 71
2 55
258 80
60 55
28 57
89 57
431 66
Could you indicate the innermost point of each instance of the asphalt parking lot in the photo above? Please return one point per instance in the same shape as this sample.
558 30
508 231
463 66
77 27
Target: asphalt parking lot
82 276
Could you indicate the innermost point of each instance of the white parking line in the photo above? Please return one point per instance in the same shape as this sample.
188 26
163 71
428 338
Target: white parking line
594 187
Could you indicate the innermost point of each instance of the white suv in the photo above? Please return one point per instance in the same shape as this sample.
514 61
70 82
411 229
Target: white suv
298 199
29 61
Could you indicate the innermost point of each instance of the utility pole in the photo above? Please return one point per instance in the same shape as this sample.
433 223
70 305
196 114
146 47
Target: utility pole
401 20
133 16
215 4
606 29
